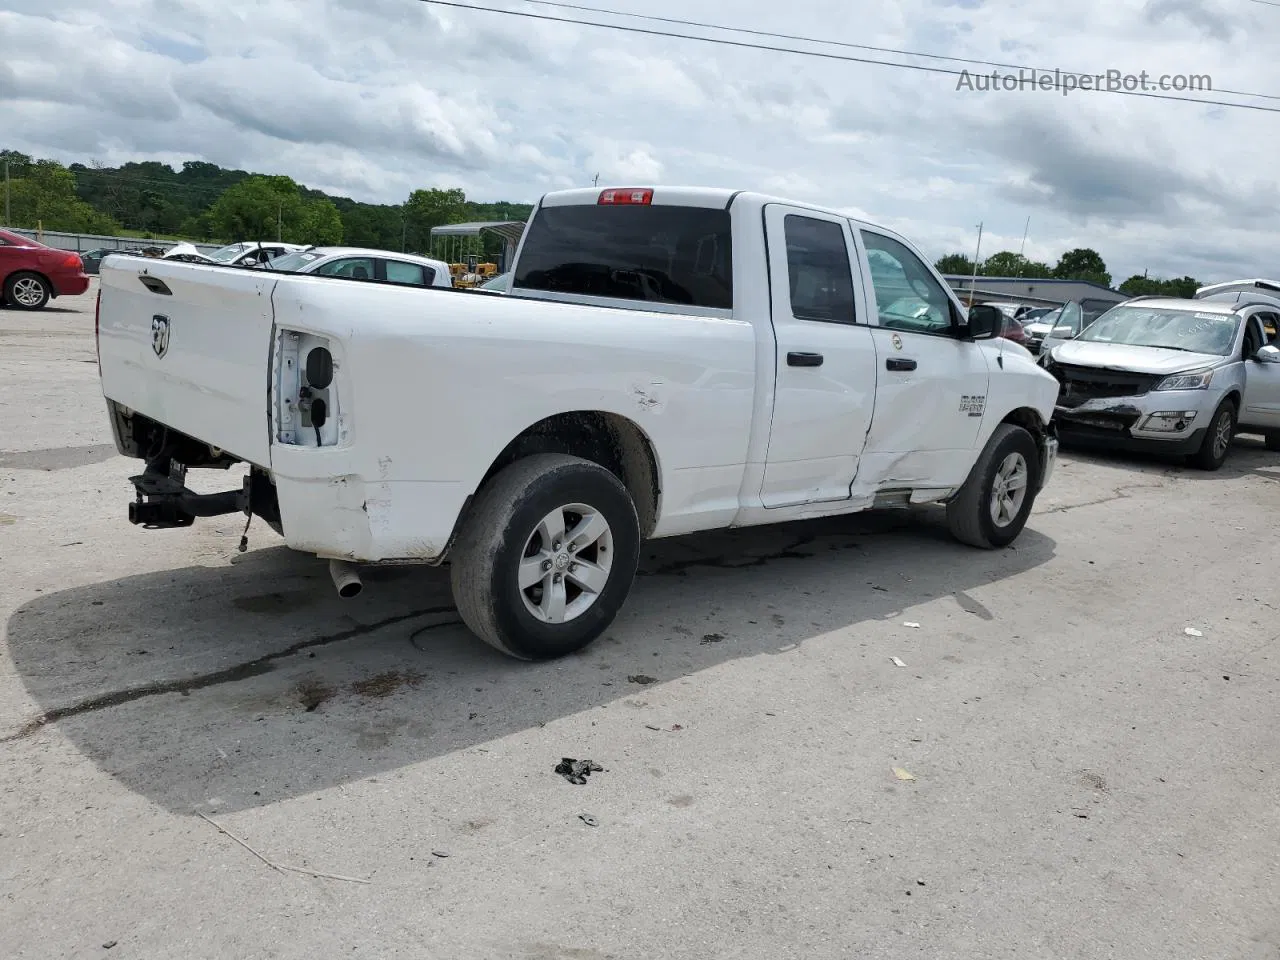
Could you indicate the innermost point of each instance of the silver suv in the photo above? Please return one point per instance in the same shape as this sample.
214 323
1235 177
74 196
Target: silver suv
1175 376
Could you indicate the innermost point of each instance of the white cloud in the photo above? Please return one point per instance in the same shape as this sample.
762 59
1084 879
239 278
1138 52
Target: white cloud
373 98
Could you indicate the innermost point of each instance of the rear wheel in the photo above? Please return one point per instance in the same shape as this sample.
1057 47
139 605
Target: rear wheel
1217 439
547 556
1273 441
27 291
993 505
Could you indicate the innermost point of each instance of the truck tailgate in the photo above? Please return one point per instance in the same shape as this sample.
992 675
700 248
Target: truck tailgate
189 346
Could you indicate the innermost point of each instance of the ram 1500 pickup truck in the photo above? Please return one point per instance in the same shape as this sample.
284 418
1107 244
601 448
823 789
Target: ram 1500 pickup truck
667 360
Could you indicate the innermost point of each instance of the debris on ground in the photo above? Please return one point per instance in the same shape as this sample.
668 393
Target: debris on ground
896 662
1193 632
641 679
109 944
589 820
650 726
311 693
442 854
711 638
385 684
911 623
902 774
577 771
676 728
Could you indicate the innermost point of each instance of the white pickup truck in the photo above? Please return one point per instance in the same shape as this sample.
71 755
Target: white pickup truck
667 360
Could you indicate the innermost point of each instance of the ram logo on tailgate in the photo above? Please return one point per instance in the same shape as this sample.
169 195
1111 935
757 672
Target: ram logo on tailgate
160 335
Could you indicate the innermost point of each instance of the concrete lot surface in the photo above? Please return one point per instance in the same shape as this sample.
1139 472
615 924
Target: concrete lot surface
1090 781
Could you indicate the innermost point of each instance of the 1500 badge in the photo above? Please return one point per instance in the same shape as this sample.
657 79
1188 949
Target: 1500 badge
975 405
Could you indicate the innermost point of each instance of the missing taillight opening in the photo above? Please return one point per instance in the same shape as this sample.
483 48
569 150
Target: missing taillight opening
629 196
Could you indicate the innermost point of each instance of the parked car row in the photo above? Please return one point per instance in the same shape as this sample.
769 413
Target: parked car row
31 273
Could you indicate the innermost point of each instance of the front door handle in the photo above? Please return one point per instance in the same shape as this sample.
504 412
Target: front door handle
801 359
899 363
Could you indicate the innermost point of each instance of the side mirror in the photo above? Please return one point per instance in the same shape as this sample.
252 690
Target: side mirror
1267 354
985 322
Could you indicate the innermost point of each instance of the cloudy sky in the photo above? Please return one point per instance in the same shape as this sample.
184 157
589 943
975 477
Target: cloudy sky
373 98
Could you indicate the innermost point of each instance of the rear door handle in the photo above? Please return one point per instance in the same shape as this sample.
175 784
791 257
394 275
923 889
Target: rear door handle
899 363
801 359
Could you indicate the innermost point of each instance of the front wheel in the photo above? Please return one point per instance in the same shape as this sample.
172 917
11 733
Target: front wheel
1217 439
993 505
1273 441
546 557
27 291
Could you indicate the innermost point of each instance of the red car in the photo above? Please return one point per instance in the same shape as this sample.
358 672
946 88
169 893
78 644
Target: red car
32 273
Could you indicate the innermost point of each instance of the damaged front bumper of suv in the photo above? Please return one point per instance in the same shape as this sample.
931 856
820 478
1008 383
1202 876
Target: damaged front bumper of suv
1128 410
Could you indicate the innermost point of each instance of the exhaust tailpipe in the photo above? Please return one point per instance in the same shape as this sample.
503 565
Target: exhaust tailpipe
346 578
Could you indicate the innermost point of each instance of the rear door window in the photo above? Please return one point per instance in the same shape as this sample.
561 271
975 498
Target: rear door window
353 268
399 271
818 267
662 254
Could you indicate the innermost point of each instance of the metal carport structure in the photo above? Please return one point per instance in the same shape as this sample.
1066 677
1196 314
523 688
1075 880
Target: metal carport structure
509 230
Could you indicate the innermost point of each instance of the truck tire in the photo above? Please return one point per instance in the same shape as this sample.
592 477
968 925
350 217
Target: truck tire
546 556
1273 441
993 505
27 291
1217 439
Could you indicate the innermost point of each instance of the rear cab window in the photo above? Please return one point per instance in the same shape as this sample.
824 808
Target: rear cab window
667 254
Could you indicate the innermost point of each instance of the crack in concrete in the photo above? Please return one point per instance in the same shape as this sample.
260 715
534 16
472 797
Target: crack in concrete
1118 493
184 686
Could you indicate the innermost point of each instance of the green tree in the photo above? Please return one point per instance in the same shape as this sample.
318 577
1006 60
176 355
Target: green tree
43 193
1083 264
954 263
321 223
432 208
264 208
1009 264
1140 286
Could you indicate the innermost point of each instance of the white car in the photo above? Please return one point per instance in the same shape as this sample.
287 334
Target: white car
668 360
234 254
1011 309
358 263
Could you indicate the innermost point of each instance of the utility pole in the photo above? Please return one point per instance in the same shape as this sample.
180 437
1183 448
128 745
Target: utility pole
279 220
1021 258
6 193
595 181
976 254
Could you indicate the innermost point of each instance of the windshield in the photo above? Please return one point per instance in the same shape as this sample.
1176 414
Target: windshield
228 253
1188 330
295 262
1048 319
